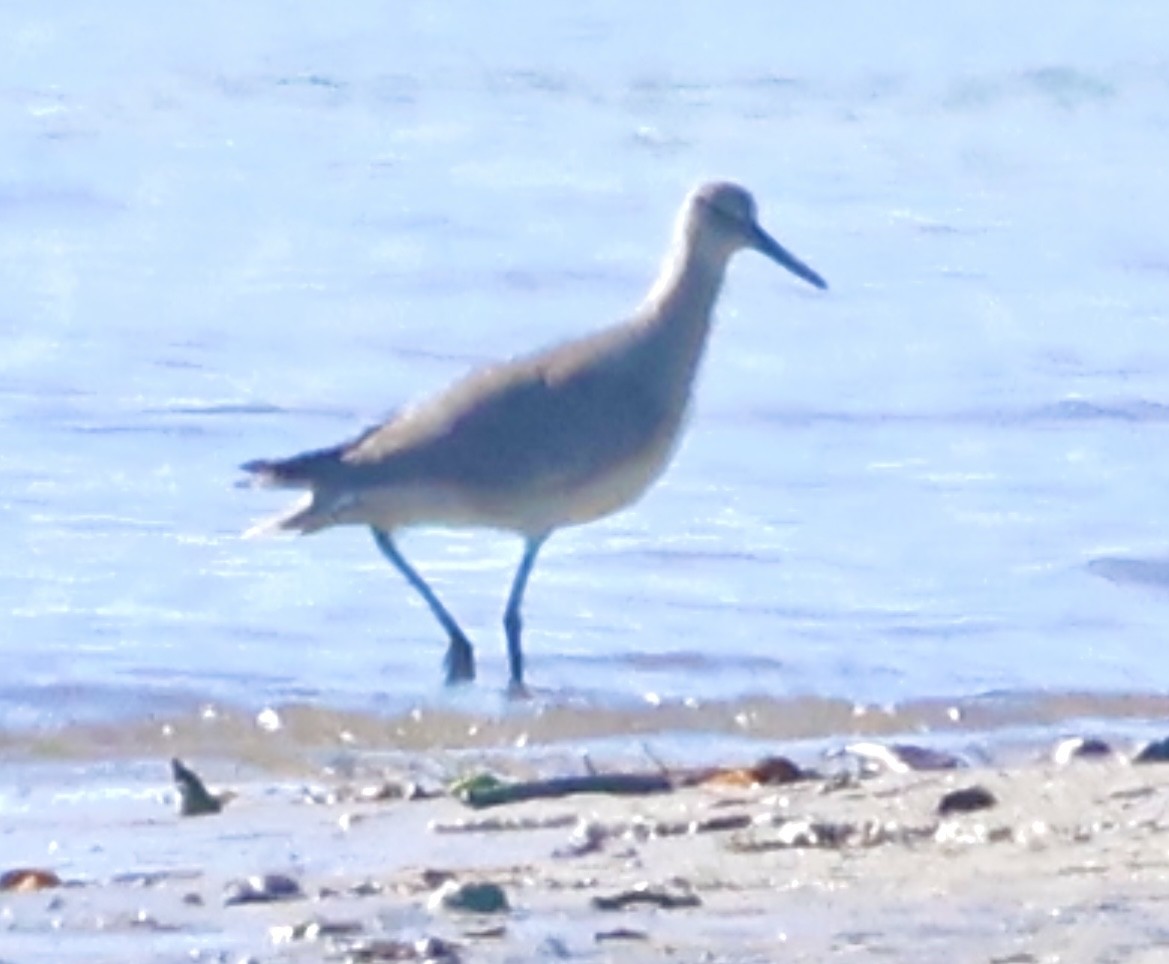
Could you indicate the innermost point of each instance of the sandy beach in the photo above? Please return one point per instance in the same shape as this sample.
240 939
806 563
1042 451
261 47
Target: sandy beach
1068 863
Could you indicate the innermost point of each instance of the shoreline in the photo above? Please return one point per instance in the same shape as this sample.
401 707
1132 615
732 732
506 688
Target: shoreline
298 737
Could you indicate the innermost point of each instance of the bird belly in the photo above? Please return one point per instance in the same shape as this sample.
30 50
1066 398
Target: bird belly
615 487
404 505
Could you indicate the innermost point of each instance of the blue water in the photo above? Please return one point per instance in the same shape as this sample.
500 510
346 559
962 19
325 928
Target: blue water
229 232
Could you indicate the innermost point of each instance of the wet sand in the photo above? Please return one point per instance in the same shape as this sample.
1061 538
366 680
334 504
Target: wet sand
1071 864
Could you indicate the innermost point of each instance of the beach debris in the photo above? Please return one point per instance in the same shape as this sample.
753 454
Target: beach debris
314 930
207 955
641 828
487 790
813 833
1156 751
966 800
391 790
347 821
384 792
794 833
959 833
433 949
486 933
261 889
320 796
471 897
475 783
269 720
648 895
23 880
492 792
1080 748
365 888
142 920
154 878
769 771
806 833
554 821
195 800
721 823
841 780
1132 793
620 934
587 837
898 757
432 877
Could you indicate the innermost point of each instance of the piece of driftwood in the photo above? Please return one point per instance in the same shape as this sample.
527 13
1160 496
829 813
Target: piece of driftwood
620 934
489 792
966 800
643 894
612 783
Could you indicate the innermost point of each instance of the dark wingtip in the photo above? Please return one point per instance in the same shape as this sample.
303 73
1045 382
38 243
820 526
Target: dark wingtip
261 472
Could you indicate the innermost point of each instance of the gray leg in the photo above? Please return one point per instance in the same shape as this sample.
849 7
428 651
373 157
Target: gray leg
512 621
460 657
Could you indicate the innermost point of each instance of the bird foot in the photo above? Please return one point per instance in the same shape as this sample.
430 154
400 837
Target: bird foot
517 691
459 661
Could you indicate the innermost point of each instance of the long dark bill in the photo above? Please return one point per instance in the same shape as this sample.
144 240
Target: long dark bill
766 244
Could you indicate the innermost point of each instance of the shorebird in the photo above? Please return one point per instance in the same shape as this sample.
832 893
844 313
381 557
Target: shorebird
558 438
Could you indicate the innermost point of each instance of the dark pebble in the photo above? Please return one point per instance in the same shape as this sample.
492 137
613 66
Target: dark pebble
261 889
620 934
366 888
966 800
1080 748
651 896
475 897
774 770
1155 752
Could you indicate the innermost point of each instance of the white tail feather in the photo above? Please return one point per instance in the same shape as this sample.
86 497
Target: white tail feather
283 522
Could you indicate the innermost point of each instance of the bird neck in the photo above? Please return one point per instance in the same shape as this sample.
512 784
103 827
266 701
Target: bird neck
679 309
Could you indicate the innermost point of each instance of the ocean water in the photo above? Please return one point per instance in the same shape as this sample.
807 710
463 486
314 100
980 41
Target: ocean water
233 232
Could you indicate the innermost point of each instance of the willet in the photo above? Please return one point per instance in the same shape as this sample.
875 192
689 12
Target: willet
555 439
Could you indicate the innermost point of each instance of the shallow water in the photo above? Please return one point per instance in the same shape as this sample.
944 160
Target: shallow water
227 235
